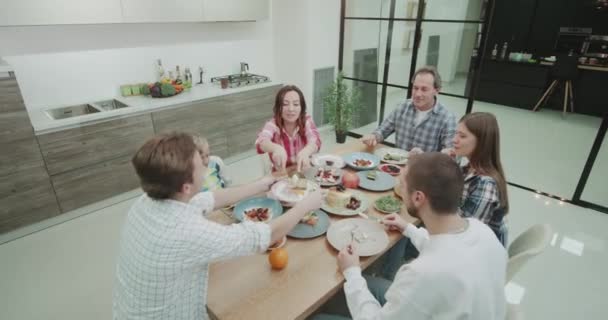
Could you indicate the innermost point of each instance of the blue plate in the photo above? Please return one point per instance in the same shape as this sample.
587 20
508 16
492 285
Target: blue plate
383 182
262 202
306 231
351 157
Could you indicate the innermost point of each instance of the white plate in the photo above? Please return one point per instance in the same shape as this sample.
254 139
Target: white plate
384 151
344 211
368 239
283 192
320 160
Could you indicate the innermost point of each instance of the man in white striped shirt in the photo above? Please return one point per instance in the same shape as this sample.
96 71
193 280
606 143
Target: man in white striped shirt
167 243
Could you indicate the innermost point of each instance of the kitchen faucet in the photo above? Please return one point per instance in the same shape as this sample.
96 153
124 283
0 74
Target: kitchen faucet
244 68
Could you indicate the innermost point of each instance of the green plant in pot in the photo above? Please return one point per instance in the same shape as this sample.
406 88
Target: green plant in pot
340 106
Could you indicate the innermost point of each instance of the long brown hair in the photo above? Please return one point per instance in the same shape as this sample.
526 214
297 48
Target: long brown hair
278 109
485 158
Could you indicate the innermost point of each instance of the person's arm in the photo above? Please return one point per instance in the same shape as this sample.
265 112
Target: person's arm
418 236
313 144
400 297
482 201
264 144
228 196
281 225
448 132
387 127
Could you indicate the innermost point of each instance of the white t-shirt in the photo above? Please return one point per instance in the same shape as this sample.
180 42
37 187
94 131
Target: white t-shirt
456 276
420 116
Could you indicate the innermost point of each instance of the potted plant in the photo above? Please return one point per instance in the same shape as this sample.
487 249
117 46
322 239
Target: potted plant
340 106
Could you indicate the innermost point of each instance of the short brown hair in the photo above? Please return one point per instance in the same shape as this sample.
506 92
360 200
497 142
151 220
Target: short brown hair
432 71
439 178
164 164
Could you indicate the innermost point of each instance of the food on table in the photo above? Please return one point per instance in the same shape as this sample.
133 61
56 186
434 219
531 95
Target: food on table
353 204
338 197
257 214
278 258
390 169
350 180
393 157
327 175
310 218
371 175
362 163
388 204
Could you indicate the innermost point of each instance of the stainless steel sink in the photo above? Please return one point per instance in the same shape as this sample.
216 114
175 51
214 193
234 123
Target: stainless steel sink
71 111
113 104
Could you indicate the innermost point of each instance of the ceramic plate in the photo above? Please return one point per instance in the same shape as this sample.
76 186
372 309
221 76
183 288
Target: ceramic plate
367 237
352 158
274 207
383 204
311 174
344 211
284 193
392 155
392 169
305 231
328 160
383 181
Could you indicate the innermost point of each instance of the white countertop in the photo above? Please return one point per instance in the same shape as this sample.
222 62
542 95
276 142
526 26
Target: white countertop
5 67
42 123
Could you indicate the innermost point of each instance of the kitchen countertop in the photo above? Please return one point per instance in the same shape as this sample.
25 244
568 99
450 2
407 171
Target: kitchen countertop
4 66
138 105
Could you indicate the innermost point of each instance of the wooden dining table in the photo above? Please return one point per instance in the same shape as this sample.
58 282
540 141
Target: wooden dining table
248 288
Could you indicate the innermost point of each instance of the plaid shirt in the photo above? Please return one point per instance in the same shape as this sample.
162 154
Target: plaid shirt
480 200
433 134
164 256
292 144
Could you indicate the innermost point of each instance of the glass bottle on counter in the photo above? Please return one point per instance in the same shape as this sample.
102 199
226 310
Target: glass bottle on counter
503 52
160 71
495 51
178 75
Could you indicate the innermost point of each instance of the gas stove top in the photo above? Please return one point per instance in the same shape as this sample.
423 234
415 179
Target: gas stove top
238 80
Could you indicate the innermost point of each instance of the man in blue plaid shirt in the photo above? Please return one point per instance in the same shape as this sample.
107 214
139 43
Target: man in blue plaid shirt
422 123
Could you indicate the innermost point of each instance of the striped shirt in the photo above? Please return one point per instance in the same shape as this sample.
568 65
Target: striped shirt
480 200
434 133
293 144
165 251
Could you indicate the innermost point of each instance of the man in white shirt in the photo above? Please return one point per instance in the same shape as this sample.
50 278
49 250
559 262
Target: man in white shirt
460 273
167 243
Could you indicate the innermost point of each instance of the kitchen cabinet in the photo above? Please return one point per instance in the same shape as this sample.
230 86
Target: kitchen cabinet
90 144
162 10
95 182
206 118
26 194
47 12
235 10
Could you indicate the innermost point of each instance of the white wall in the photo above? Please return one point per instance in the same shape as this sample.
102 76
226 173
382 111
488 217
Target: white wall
306 37
62 65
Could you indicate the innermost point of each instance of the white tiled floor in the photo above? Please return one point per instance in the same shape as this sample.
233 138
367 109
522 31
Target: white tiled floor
66 271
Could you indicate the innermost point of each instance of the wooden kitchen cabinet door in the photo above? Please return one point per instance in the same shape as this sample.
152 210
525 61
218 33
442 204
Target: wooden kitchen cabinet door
94 183
249 112
71 149
207 118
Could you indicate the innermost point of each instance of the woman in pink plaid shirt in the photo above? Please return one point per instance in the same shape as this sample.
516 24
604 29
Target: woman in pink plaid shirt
290 137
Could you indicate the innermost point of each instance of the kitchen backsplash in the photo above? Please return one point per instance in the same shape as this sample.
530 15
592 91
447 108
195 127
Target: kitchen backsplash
56 79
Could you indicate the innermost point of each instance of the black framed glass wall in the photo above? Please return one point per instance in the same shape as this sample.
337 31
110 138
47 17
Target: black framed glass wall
383 43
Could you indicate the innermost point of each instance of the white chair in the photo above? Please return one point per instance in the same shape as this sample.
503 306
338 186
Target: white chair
527 245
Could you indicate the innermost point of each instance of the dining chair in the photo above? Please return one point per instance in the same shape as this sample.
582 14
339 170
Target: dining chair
527 245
